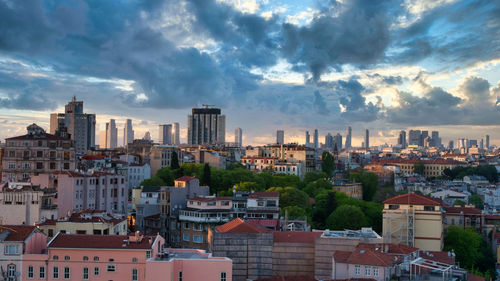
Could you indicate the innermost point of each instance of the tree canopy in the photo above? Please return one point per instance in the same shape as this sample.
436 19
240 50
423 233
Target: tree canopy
327 163
346 217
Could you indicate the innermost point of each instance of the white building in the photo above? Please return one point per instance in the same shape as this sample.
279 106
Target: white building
137 173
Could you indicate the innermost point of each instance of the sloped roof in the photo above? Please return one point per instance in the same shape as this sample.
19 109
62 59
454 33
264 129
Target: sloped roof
398 249
366 256
240 226
412 199
17 232
465 210
85 241
185 178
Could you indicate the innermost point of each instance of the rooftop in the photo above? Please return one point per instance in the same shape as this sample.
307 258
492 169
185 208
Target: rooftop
240 226
366 256
365 232
185 178
15 232
264 195
296 236
85 241
412 199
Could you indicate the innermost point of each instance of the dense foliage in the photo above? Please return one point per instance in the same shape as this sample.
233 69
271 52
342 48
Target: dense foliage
487 171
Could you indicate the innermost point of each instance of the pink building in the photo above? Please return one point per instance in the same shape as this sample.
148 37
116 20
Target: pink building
120 258
77 191
17 243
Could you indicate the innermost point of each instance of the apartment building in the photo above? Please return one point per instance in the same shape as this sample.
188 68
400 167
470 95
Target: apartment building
36 152
161 156
136 173
263 205
82 191
414 220
463 217
289 153
432 168
351 189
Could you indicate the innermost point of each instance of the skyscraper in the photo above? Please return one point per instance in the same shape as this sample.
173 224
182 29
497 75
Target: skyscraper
402 139
316 141
206 126
79 125
435 139
238 137
176 134
367 139
280 137
423 136
147 136
128 133
111 134
337 141
348 137
329 141
414 137
308 139
165 134
487 141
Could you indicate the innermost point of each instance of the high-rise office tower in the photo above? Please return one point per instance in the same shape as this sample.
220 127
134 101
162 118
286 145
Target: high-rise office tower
128 133
451 144
414 137
280 137
176 134
308 139
337 141
329 141
472 143
402 139
147 136
348 137
79 125
111 134
316 141
423 136
435 139
487 141
165 134
206 126
367 139
481 144
238 137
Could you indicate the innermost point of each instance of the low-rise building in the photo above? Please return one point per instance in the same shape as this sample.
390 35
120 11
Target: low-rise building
449 196
136 173
351 189
263 205
432 168
22 203
161 156
463 217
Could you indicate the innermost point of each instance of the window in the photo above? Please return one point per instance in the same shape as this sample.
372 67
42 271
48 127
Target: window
357 270
260 203
85 258
180 275
135 274
197 239
96 271
185 237
134 260
367 271
51 232
111 268
31 274
55 272
375 271
66 258
223 276
11 271
96 258
148 254
11 249
428 208
66 273
197 227
85 273
393 207
41 272
186 225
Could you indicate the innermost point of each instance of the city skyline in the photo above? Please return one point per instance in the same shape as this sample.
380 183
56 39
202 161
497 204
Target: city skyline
411 69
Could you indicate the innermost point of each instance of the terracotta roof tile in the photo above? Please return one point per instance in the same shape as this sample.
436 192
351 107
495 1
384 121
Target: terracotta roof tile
42 136
399 249
17 232
84 241
465 210
412 199
296 236
185 178
443 257
341 256
366 256
240 226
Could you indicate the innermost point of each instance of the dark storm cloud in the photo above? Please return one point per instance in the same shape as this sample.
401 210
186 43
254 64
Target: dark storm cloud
29 98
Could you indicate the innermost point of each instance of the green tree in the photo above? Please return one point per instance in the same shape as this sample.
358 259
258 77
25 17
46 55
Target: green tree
291 196
317 186
465 243
369 182
206 179
247 186
294 212
477 201
314 176
235 165
174 161
154 181
179 172
167 175
325 204
459 203
418 167
327 163
346 217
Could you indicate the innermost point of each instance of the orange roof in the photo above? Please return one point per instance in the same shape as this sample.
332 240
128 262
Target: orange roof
366 256
240 226
412 199
17 232
296 236
185 178
84 241
465 210
443 257
425 162
391 248
264 195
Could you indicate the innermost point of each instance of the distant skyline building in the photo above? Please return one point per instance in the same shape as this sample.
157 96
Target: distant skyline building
111 134
80 126
414 137
176 140
487 141
348 137
308 139
165 134
435 139
147 136
316 140
329 140
423 136
280 137
238 137
367 139
206 126
402 139
128 133
337 141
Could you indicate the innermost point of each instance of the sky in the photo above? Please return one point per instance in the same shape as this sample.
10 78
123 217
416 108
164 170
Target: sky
294 65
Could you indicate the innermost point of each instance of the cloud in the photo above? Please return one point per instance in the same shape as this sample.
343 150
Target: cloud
29 99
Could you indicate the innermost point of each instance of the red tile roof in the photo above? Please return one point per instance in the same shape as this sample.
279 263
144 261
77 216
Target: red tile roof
264 195
412 199
443 257
42 136
185 178
398 249
296 236
366 256
17 232
84 241
239 226
465 210
425 162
